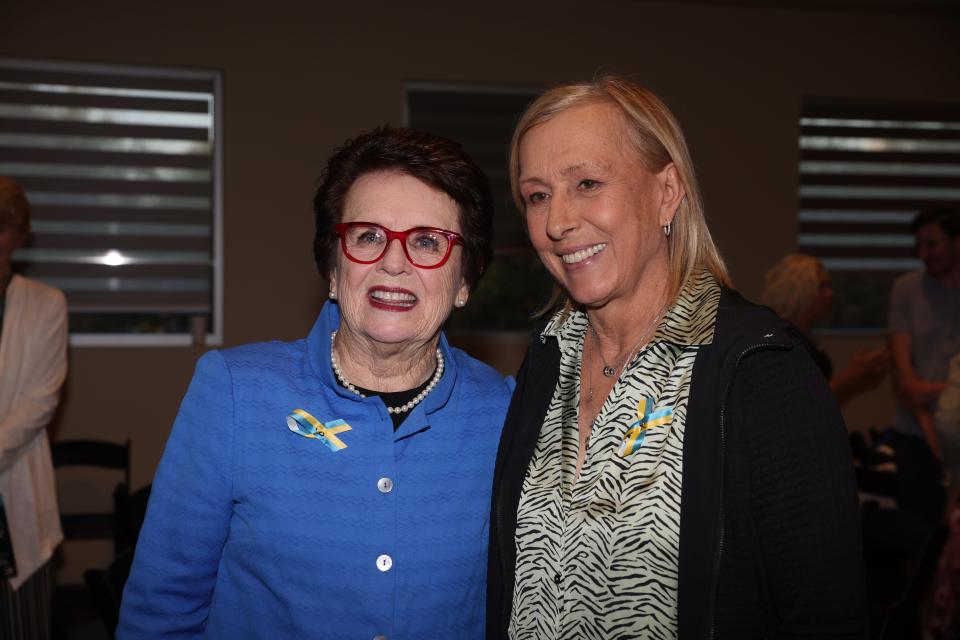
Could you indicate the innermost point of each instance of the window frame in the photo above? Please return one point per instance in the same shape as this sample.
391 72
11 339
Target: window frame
213 334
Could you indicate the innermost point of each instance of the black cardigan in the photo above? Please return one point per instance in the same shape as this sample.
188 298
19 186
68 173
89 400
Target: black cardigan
769 524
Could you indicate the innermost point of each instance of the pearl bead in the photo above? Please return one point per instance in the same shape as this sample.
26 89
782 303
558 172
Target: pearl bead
392 410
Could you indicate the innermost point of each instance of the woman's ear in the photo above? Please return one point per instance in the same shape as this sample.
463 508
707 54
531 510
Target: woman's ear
672 192
463 294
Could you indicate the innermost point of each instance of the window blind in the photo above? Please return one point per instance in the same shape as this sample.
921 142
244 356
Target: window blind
121 166
866 169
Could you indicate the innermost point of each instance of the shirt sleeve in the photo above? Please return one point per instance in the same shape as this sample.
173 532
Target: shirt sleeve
174 570
45 370
898 315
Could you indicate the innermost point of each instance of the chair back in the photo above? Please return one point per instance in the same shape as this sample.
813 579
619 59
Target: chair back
101 454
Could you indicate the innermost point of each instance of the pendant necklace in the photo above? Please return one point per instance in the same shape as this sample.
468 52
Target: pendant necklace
608 370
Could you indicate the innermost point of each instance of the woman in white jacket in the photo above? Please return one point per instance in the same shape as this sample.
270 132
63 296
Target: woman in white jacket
33 364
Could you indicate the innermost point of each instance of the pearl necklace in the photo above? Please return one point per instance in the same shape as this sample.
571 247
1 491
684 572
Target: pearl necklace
392 410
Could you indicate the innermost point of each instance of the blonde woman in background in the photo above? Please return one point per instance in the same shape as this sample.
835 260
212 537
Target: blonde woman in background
799 289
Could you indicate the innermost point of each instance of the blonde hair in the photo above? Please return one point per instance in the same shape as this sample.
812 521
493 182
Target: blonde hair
658 140
790 286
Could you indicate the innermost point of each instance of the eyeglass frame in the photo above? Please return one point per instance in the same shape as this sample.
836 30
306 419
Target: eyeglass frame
341 228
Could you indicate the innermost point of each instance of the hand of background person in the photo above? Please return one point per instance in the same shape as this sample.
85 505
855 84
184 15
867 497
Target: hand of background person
870 366
867 367
914 392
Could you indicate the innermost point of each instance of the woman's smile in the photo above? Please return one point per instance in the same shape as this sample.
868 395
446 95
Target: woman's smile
578 256
391 298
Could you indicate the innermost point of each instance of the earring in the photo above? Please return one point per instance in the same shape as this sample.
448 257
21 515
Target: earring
332 294
667 229
460 303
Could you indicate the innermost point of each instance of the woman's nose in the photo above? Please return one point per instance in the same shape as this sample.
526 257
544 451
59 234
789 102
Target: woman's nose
394 259
561 218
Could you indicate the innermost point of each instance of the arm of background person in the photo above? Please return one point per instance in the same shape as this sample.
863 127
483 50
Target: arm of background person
912 390
45 368
803 497
174 569
864 372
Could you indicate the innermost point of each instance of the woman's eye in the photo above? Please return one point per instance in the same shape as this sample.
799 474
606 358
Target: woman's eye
370 236
589 184
426 242
536 197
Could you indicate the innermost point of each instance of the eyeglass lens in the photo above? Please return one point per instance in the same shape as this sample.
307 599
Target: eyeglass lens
425 247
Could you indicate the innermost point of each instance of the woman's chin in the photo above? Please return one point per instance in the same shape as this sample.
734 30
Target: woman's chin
590 297
393 333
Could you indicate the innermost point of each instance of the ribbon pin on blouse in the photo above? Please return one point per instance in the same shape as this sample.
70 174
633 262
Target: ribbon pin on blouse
304 424
647 418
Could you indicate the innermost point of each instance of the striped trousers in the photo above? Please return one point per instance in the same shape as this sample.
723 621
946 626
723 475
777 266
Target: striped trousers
25 613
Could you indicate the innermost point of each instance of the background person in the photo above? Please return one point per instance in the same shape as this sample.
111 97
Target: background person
672 462
33 365
338 486
924 321
798 288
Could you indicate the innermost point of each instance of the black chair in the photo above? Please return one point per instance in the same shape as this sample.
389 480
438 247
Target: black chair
94 453
106 589
130 511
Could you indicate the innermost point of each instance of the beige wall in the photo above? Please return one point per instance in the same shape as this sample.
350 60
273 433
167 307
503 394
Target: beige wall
301 77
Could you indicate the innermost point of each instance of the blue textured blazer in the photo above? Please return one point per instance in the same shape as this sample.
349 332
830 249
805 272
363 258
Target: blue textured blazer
255 531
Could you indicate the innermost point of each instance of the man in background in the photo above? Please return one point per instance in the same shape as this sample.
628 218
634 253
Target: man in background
925 322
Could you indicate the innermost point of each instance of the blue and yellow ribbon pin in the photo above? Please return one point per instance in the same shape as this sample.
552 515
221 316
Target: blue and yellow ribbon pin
306 425
647 418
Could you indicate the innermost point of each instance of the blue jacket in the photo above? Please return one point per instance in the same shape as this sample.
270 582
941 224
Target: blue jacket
255 531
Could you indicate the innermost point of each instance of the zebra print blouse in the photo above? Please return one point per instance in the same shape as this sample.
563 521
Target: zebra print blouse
598 558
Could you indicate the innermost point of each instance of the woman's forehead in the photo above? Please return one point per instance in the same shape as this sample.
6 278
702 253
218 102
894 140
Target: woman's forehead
588 137
399 201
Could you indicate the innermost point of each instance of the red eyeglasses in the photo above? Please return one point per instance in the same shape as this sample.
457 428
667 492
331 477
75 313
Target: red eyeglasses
425 247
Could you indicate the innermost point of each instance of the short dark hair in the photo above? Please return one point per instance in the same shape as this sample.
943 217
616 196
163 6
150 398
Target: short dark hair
437 161
14 206
947 218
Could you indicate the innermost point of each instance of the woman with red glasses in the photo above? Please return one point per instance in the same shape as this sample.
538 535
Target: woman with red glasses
338 486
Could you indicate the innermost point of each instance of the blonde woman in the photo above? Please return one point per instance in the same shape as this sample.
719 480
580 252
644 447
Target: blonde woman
799 289
671 464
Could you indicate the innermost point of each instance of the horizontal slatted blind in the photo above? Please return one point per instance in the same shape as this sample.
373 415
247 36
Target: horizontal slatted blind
482 119
866 169
120 166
